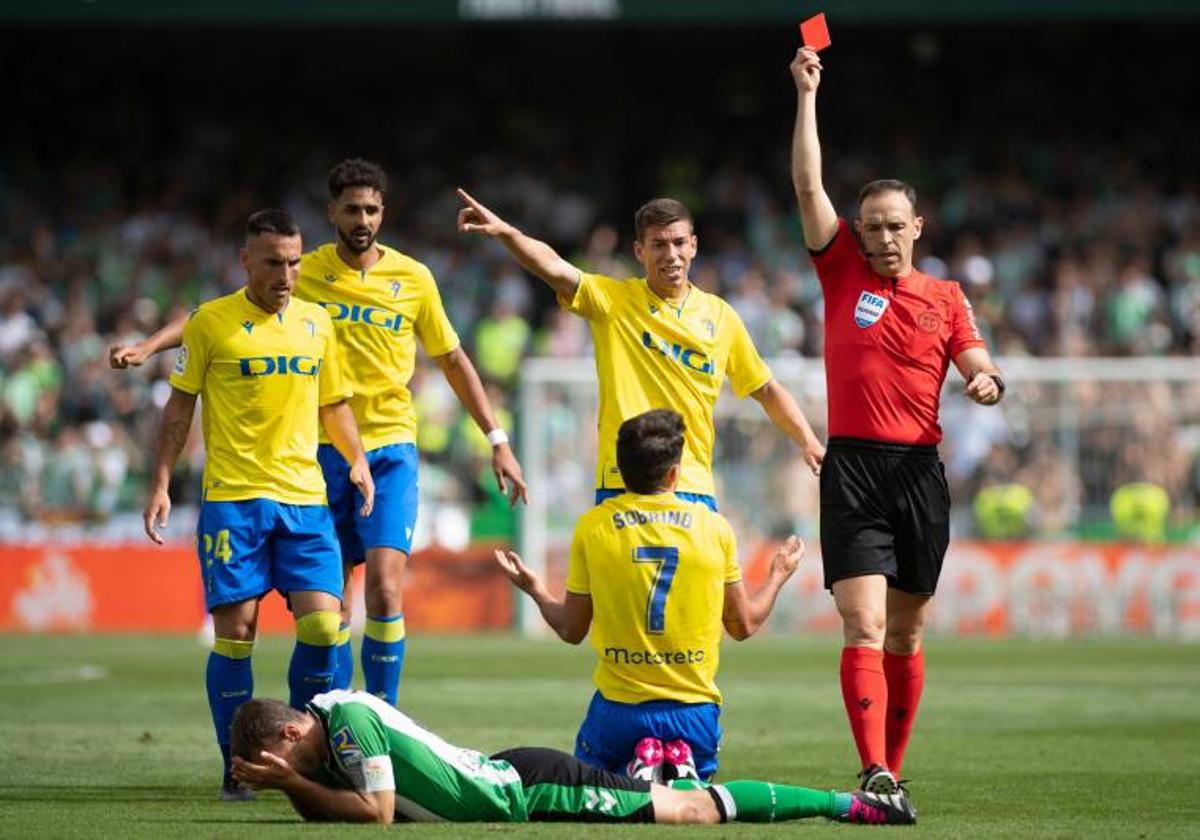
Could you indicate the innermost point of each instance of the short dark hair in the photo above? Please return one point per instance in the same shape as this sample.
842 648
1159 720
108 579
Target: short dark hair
257 724
660 212
886 185
647 447
356 172
271 220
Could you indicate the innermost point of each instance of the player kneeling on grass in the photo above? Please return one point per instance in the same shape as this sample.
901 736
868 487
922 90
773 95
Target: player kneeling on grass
660 577
351 757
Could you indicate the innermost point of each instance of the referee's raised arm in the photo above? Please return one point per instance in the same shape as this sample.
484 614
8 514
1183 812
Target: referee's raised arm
817 216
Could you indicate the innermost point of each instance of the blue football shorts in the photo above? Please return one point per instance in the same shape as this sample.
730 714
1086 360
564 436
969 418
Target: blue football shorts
701 498
611 730
249 547
391 523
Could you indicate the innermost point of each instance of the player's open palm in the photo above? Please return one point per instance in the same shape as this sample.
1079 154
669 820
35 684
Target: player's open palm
475 218
517 572
787 557
806 70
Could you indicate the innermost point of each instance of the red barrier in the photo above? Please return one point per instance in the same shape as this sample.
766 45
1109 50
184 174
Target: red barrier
136 588
1046 589
1040 589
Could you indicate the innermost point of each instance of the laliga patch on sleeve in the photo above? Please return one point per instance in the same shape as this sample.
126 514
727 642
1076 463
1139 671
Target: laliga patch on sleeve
181 360
377 774
815 32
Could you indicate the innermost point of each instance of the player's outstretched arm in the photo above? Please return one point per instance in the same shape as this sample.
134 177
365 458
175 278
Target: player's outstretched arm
172 435
314 801
464 380
570 617
535 256
743 616
338 422
787 416
817 216
136 355
982 375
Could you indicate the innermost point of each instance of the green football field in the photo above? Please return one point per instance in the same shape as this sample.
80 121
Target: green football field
110 736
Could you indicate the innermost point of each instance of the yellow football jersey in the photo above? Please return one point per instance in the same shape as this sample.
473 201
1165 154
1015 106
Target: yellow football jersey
655 568
378 314
261 377
652 354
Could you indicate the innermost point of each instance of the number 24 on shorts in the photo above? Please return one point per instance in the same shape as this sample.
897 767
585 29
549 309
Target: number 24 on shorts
666 558
217 546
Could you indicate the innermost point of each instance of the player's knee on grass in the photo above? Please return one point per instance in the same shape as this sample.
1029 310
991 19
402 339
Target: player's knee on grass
319 628
676 806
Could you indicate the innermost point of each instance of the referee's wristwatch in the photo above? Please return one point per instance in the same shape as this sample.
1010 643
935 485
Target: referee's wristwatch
999 384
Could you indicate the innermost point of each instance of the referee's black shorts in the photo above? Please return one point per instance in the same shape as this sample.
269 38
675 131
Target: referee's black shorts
885 510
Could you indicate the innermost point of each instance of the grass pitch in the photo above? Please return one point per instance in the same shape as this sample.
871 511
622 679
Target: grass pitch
110 736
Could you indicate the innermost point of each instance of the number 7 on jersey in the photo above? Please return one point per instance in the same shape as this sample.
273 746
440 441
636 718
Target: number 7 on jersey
666 558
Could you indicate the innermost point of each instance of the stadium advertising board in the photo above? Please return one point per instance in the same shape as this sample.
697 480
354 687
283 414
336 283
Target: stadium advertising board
140 589
996 589
1038 589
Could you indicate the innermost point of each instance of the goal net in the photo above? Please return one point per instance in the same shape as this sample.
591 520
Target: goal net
1071 432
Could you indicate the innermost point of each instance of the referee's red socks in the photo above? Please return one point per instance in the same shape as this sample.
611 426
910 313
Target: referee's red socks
905 679
865 693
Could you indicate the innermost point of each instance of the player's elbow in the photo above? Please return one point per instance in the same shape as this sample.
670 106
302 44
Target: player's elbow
739 630
572 635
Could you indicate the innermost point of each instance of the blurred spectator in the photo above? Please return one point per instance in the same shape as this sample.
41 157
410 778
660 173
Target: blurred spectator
1004 511
1073 230
500 340
1139 511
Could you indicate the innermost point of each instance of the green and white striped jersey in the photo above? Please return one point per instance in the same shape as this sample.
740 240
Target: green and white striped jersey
375 747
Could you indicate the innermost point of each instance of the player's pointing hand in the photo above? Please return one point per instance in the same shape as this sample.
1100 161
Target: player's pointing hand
120 357
475 218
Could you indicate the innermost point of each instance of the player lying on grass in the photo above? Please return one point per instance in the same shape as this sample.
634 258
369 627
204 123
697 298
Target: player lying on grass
655 579
351 757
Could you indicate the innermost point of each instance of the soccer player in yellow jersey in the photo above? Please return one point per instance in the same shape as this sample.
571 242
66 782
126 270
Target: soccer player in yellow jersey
656 579
267 368
660 341
381 302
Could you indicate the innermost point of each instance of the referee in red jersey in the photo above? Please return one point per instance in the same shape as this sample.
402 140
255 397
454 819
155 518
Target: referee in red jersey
890 335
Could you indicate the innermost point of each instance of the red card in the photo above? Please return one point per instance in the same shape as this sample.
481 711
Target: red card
815 32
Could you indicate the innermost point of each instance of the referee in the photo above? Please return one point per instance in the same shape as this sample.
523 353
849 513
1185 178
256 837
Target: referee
890 335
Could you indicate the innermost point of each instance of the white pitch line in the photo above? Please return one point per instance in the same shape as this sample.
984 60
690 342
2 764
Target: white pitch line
78 673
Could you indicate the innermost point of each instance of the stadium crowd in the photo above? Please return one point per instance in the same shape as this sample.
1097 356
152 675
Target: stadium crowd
1071 238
